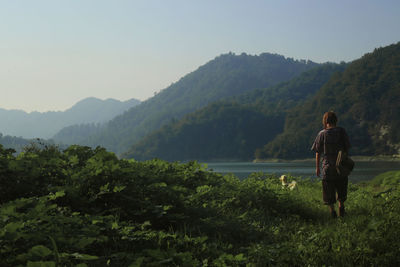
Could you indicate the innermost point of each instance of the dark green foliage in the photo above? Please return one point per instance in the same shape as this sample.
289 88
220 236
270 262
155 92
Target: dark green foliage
366 98
225 76
19 144
285 96
387 180
233 129
73 134
86 207
224 130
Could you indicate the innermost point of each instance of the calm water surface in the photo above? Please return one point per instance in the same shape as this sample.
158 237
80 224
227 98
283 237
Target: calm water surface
363 171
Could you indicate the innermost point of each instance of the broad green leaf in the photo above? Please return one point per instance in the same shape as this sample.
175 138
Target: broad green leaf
84 256
41 264
104 188
114 225
240 257
85 241
8 210
119 188
56 195
138 262
40 251
13 226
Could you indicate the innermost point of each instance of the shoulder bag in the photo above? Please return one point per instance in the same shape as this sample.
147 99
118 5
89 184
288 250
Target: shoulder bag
344 164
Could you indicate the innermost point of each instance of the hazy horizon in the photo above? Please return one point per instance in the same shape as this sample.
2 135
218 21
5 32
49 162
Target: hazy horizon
55 54
69 107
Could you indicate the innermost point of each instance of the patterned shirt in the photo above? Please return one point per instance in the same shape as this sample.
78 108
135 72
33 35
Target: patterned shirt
328 143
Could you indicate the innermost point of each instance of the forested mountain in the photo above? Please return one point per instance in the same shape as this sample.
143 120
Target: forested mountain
225 76
16 143
19 144
235 128
73 134
366 98
45 125
223 130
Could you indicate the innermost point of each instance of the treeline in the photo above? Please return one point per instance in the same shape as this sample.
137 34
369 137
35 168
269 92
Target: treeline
85 207
286 118
223 130
19 144
365 96
73 134
226 76
233 129
13 142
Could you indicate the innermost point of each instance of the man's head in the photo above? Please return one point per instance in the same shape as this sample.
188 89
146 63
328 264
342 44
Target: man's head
329 118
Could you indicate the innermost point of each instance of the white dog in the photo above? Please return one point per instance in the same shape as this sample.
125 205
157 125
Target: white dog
292 185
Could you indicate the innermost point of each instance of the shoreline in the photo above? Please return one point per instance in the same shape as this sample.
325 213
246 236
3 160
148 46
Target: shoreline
394 158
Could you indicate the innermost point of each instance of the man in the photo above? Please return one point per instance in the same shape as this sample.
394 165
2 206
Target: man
327 144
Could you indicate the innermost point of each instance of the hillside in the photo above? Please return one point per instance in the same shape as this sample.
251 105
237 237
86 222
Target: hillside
233 129
13 142
73 134
19 144
366 98
47 124
223 130
225 76
84 207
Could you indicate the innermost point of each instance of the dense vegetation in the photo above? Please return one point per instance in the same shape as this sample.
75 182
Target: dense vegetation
47 124
366 97
225 76
234 128
282 121
223 130
84 207
73 134
18 143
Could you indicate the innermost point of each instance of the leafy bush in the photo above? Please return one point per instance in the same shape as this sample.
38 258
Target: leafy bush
86 207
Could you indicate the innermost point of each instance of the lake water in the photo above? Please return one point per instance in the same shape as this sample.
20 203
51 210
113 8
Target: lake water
363 171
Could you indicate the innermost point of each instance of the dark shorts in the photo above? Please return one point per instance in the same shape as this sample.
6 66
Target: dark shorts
332 187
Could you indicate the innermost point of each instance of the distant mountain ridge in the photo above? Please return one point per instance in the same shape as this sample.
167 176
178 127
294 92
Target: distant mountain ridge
282 121
225 76
233 128
366 98
46 124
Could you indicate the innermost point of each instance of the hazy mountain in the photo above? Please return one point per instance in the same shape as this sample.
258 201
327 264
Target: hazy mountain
12 142
20 144
46 124
73 134
225 76
366 97
233 129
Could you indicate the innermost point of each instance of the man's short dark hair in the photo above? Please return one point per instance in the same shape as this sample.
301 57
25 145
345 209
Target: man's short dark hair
329 117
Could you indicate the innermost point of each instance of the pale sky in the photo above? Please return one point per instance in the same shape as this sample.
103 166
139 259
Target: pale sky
55 53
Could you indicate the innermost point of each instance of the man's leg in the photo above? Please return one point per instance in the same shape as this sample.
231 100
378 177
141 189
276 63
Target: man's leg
332 210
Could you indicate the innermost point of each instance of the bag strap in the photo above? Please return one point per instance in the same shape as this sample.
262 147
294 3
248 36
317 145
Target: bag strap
324 133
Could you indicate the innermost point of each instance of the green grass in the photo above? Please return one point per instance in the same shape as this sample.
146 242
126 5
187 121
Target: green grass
85 207
388 179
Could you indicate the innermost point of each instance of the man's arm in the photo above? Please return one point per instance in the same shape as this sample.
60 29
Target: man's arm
317 159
